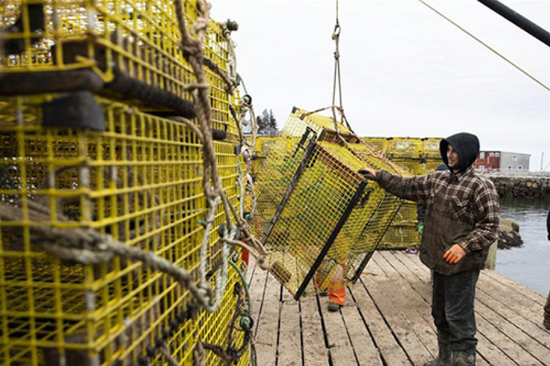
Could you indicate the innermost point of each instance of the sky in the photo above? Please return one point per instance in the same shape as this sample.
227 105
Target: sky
406 71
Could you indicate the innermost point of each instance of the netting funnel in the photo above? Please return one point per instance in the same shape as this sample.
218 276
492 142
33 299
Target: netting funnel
317 215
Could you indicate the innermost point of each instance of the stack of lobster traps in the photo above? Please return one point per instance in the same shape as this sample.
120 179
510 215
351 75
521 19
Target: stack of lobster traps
93 144
420 156
318 216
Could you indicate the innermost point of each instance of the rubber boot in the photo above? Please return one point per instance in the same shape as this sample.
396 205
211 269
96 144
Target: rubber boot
464 358
443 358
333 307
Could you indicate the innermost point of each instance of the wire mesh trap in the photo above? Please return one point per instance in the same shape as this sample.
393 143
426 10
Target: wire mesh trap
317 215
138 182
418 156
124 49
91 147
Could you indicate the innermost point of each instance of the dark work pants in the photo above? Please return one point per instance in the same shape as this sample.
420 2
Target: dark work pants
453 309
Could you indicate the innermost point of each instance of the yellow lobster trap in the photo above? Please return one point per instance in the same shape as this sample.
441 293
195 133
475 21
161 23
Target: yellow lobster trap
125 49
317 215
138 182
430 148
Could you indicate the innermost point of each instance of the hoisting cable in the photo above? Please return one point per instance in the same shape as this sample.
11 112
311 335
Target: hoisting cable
337 87
486 45
337 79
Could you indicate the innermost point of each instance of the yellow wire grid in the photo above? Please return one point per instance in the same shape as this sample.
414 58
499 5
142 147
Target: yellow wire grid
265 147
140 182
319 217
300 120
401 237
403 148
126 49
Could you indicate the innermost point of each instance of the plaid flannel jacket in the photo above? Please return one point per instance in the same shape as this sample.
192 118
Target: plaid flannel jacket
461 208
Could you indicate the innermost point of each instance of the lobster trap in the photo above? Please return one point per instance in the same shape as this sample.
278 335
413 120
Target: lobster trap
430 148
124 49
401 237
404 148
138 182
265 147
317 215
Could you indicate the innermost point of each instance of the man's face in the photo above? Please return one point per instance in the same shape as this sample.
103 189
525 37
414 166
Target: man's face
452 158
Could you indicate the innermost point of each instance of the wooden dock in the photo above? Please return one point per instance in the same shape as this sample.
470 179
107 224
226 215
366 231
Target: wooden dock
387 320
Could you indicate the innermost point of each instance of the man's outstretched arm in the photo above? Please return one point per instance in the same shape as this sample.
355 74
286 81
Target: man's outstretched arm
415 188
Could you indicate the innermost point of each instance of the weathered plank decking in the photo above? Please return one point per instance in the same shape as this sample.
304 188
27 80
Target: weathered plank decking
387 320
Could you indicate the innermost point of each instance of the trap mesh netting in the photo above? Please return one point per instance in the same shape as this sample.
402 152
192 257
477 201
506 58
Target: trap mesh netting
317 215
91 141
137 182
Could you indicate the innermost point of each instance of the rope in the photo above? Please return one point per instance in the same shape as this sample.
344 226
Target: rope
336 86
189 124
486 45
245 108
241 188
231 354
88 246
227 29
165 352
193 50
337 80
199 355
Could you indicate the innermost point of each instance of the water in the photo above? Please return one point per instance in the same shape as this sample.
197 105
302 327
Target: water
529 264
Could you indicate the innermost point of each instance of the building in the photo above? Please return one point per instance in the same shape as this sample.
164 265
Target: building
502 161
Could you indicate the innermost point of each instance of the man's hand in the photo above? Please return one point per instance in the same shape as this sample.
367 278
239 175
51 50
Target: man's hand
368 173
454 255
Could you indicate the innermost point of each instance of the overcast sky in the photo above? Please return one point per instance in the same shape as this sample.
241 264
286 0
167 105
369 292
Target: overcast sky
405 70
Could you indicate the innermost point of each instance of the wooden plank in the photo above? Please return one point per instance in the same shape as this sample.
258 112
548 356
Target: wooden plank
421 306
411 267
289 352
530 352
517 287
315 351
391 310
503 342
268 323
340 349
390 350
251 269
534 330
257 289
366 352
411 301
529 309
387 320
504 293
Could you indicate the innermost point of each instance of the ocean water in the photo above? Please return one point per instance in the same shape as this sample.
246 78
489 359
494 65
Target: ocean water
529 264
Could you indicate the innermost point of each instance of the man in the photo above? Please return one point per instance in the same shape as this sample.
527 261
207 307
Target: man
420 213
461 222
547 306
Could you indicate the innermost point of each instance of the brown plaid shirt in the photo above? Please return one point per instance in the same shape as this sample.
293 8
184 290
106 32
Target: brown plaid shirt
461 208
